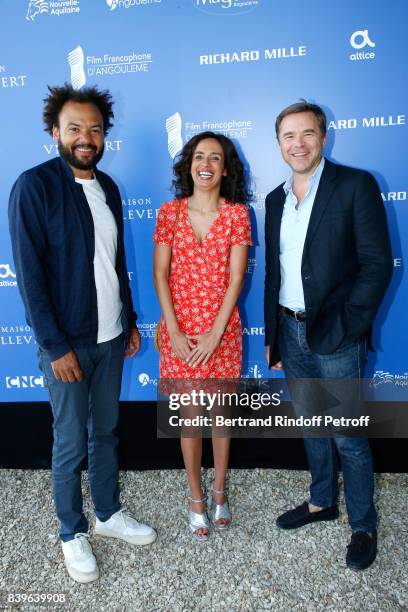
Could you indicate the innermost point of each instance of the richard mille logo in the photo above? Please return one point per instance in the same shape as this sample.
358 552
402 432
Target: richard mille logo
252 55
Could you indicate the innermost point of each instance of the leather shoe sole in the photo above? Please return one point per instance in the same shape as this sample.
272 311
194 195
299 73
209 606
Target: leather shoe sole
300 516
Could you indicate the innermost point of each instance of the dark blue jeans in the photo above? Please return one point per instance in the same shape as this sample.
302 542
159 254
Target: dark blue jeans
85 417
346 362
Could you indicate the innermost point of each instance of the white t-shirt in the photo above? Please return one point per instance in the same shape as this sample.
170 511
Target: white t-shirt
106 279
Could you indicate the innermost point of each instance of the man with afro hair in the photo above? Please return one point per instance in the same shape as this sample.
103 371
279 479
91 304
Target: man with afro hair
67 234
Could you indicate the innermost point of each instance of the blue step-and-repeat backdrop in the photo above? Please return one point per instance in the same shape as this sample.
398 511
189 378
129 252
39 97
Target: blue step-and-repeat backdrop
175 68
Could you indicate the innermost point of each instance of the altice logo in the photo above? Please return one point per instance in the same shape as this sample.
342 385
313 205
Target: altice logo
174 139
6 271
361 39
76 61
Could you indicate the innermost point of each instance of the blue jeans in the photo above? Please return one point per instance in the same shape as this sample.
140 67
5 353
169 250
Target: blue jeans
348 361
85 417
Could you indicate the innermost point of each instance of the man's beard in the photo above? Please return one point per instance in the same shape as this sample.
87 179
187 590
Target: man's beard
73 161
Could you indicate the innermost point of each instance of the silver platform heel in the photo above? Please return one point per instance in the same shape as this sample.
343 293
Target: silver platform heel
198 521
219 511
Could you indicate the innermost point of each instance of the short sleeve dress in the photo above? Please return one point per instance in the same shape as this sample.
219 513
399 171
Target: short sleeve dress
198 280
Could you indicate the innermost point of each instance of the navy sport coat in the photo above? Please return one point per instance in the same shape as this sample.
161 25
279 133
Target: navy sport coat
53 241
346 262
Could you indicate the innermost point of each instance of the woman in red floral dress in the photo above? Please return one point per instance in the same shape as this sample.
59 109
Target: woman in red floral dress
200 257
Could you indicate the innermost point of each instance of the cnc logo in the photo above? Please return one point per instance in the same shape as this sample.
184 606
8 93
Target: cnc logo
76 61
359 40
7 273
145 380
57 8
174 139
226 7
24 382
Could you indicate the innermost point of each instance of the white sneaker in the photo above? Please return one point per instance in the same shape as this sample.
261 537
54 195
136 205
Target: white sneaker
123 526
79 559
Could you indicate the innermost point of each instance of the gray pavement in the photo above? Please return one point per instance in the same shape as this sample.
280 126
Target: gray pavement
253 567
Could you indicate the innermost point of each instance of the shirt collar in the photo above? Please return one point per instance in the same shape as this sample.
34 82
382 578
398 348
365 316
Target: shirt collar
313 179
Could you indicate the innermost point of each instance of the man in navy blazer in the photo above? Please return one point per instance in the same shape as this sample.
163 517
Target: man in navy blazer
328 265
67 234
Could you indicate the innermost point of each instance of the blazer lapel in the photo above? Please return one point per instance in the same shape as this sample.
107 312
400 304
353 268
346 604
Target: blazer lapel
324 192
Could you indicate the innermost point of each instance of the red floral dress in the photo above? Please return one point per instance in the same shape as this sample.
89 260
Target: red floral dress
198 280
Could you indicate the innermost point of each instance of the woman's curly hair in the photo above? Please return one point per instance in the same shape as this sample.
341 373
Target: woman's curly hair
58 96
234 186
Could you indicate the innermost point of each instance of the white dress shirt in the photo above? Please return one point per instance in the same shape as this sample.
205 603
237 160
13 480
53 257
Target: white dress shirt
294 226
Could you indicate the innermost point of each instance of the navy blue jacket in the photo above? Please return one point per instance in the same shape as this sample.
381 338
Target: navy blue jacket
346 263
53 240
